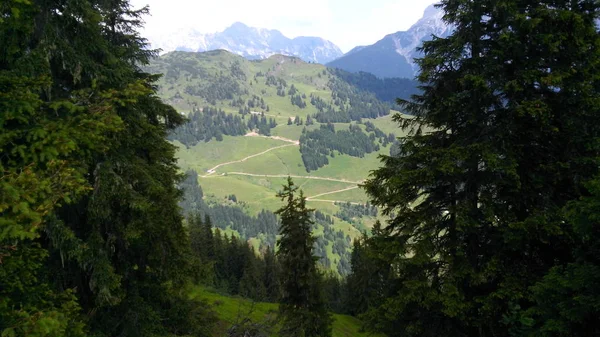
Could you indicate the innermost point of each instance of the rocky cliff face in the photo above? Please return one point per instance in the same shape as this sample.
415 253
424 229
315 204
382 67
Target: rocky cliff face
393 56
249 42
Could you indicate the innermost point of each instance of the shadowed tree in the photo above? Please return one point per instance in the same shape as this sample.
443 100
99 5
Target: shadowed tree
504 136
302 308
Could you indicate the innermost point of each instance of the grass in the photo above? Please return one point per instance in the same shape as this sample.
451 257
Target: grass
204 156
231 309
185 71
355 195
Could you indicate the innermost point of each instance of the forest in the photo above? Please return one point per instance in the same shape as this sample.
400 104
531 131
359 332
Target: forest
488 205
208 123
350 104
317 145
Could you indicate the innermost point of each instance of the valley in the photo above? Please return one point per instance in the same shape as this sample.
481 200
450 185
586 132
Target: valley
294 109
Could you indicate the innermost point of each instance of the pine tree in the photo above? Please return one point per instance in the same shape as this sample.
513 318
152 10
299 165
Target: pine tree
477 202
55 115
251 283
84 155
272 273
208 233
302 309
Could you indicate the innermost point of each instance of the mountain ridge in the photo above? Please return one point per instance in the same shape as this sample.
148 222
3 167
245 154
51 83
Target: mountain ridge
394 54
252 123
249 42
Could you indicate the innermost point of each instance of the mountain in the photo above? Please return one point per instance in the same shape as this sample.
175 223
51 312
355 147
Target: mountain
249 42
253 123
393 55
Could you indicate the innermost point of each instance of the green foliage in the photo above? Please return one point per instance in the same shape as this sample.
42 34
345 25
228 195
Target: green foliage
302 309
567 298
90 222
317 145
349 212
386 89
265 223
262 125
233 309
477 232
230 264
208 124
352 104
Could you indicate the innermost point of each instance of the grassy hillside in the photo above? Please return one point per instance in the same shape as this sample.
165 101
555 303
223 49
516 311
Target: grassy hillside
231 310
253 167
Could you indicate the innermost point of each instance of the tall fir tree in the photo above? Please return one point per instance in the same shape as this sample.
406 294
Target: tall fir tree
510 104
84 157
272 276
302 308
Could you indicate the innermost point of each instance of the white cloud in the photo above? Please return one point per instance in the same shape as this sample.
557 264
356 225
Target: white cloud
347 23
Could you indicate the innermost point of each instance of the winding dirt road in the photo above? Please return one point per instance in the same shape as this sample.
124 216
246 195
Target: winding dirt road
293 176
334 201
254 134
332 192
211 172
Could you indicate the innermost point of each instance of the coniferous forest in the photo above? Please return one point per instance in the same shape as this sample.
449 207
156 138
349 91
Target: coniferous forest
488 205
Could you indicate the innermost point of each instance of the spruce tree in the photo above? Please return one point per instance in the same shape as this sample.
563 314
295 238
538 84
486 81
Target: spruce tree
504 136
302 309
271 276
87 178
251 283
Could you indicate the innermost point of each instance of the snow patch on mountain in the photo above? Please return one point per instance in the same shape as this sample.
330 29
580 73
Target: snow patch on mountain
432 23
249 42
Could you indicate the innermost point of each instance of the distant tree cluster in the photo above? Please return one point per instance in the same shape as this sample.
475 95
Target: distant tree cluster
180 64
317 145
221 88
293 90
257 102
319 103
264 225
350 104
275 82
298 101
386 90
253 103
208 124
348 211
322 218
230 264
340 243
262 124
237 71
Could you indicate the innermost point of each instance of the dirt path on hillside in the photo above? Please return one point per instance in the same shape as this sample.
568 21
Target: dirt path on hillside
213 170
293 176
339 201
332 192
276 116
254 134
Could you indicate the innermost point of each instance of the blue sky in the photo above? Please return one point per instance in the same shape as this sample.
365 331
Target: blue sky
347 23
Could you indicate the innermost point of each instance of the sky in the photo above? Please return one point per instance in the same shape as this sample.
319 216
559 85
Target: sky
347 23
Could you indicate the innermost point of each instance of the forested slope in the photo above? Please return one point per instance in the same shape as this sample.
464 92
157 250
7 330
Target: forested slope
253 123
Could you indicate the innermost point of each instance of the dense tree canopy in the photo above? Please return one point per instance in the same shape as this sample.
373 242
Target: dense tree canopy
302 308
478 230
88 179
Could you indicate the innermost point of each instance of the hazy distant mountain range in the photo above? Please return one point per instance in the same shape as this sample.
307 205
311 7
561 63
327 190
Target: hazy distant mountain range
393 55
249 42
